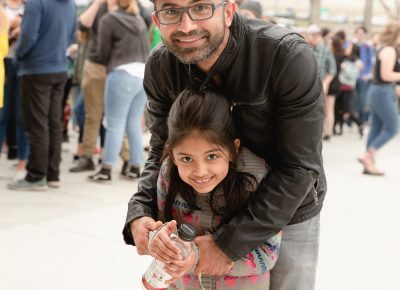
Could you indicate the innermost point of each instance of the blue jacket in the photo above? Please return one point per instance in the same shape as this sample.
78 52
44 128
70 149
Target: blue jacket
48 28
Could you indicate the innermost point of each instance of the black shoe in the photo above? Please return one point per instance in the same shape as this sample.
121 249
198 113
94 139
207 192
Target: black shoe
133 173
125 167
84 164
102 176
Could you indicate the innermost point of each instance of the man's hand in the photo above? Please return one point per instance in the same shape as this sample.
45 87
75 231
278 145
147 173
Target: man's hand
140 229
212 260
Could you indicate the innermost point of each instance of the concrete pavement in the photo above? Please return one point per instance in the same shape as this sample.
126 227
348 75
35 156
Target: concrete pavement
70 238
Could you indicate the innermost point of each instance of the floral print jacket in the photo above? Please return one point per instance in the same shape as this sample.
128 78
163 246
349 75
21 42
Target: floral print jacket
250 272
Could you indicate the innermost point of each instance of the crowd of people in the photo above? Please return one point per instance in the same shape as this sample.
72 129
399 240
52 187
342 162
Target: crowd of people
236 124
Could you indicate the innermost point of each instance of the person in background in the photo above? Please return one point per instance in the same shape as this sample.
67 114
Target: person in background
326 65
382 96
43 80
93 81
334 88
11 122
251 8
3 52
123 48
364 79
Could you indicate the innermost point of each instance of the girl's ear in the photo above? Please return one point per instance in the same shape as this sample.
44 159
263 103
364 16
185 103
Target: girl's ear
237 144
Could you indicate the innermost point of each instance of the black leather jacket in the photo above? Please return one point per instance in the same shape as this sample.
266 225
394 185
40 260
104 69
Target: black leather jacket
270 76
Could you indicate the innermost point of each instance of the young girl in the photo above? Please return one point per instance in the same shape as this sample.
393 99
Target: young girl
204 179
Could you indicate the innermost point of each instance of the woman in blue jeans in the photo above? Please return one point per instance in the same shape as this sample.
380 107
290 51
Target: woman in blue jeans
382 96
123 47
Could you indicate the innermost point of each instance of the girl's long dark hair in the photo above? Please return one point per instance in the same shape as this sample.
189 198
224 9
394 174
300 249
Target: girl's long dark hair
208 114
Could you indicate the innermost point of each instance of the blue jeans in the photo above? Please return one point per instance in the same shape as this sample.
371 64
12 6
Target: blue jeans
384 120
298 257
12 92
362 100
124 100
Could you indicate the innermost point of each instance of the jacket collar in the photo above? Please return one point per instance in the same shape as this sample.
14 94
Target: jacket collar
203 81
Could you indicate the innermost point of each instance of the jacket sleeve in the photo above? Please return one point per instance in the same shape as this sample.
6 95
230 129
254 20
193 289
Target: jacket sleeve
144 201
260 260
297 100
29 29
104 43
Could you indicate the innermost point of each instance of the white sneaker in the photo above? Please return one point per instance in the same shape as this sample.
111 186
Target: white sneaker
53 184
19 174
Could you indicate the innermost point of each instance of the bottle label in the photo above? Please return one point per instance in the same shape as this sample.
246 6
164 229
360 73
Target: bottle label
155 276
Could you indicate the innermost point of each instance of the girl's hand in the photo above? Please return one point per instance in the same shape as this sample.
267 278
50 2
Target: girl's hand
162 247
180 268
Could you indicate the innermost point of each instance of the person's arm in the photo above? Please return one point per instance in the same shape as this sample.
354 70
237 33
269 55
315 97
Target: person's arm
331 72
89 15
299 112
29 28
388 57
104 40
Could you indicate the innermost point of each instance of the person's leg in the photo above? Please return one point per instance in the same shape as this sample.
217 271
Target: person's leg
22 140
4 112
133 125
93 93
298 257
93 90
118 96
386 110
35 109
329 115
55 125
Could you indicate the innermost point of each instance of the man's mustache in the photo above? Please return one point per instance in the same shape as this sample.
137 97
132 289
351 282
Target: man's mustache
201 33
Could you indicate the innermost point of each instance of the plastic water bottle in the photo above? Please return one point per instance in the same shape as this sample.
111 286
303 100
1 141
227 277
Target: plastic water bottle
155 277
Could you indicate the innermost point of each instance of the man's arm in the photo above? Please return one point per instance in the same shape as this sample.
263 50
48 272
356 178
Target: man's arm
29 28
298 107
89 15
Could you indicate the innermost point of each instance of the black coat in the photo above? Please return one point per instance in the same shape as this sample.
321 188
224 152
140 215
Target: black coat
270 76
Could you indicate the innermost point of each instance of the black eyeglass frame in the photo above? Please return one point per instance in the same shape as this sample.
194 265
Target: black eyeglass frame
186 10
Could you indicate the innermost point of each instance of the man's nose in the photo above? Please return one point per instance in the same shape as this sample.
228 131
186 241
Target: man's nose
187 24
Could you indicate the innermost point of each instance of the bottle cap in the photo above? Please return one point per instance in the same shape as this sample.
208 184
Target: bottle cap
186 232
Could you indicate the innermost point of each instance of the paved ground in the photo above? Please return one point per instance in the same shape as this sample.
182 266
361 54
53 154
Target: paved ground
70 238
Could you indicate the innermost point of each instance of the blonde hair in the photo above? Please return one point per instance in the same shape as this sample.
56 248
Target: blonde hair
130 6
390 34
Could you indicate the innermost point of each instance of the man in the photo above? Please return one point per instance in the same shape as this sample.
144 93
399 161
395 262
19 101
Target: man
47 29
93 82
251 8
364 80
278 111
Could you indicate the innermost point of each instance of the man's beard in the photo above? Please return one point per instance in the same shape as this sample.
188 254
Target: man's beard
196 54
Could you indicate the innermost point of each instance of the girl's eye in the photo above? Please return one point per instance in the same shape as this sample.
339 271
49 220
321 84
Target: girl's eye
212 156
186 159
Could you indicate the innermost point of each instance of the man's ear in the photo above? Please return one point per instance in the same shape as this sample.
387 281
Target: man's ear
155 20
237 144
230 11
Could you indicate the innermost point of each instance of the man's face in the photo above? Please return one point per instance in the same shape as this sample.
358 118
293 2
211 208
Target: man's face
194 41
360 35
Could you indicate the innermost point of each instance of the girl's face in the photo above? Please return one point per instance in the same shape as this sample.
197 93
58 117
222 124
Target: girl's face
200 163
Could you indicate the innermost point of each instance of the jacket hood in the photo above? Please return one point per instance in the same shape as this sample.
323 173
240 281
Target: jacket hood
133 23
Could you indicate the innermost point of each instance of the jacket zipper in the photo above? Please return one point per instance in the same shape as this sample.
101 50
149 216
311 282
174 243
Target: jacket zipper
247 104
315 193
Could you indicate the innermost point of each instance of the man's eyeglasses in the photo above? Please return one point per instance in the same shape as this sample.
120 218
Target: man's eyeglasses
196 12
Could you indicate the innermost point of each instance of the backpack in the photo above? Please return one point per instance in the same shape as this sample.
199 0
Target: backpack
349 72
